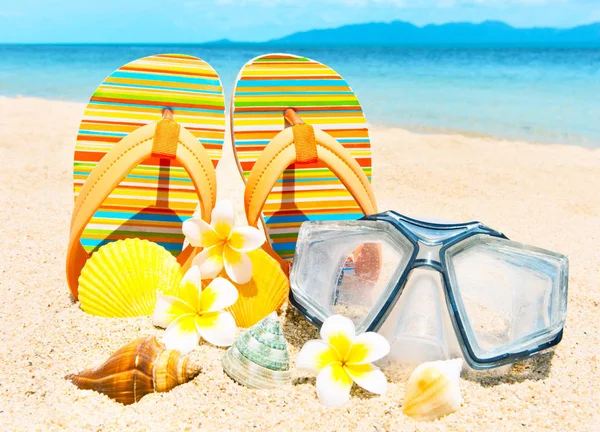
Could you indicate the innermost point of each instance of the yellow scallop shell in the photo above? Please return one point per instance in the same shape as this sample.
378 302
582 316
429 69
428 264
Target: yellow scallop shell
121 278
265 293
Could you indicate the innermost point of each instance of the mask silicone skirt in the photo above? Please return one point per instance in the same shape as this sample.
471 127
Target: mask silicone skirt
433 290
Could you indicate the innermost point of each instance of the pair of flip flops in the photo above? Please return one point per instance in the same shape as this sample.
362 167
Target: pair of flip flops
152 136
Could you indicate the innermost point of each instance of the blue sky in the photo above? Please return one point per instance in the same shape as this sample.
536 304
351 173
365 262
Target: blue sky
258 20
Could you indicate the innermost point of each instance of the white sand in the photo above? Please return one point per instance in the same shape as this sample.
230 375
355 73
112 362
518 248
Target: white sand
538 194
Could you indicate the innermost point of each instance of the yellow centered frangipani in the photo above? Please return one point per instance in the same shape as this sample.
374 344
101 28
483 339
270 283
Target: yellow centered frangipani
341 358
194 313
225 245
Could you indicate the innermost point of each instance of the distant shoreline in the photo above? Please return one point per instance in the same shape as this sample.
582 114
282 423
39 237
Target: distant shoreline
432 131
373 126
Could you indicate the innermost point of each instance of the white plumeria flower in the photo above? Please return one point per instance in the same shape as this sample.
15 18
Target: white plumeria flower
224 245
341 358
195 313
197 215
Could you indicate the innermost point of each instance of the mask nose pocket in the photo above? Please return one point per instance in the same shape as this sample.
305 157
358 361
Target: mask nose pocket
418 327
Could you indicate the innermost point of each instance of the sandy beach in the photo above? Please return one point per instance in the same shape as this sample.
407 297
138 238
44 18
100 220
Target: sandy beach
544 195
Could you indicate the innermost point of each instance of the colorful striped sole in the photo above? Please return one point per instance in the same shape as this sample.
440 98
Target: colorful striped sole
157 196
265 87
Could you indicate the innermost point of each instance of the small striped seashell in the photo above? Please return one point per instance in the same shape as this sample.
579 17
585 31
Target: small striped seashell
265 293
259 358
433 390
141 367
121 278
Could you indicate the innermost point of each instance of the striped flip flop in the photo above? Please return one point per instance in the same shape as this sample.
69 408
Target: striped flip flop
146 195
298 172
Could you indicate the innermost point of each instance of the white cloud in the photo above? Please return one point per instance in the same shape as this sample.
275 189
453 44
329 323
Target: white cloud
399 3
446 3
503 2
295 4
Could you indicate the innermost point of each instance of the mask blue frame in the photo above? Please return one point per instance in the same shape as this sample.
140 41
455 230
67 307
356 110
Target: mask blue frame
436 239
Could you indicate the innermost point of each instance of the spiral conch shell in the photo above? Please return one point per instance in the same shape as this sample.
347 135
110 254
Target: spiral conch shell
433 390
138 368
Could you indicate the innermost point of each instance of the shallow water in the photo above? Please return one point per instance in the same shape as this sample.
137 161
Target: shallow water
539 94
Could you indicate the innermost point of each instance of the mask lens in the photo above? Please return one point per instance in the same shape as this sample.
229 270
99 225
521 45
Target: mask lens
510 297
363 278
347 268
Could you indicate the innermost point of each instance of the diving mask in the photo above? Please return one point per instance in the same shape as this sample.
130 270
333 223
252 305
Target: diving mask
433 290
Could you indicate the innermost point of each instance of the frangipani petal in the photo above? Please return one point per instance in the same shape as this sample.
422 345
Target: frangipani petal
190 287
210 261
197 215
182 334
223 218
217 328
333 385
218 295
246 239
237 265
368 377
368 347
315 355
200 234
338 331
191 231
168 309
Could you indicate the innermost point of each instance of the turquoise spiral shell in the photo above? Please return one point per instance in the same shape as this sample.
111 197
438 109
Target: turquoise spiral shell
259 357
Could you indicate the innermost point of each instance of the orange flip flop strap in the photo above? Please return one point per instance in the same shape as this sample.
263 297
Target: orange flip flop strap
118 162
281 153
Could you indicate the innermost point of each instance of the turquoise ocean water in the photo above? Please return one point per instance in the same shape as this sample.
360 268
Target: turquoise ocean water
547 95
